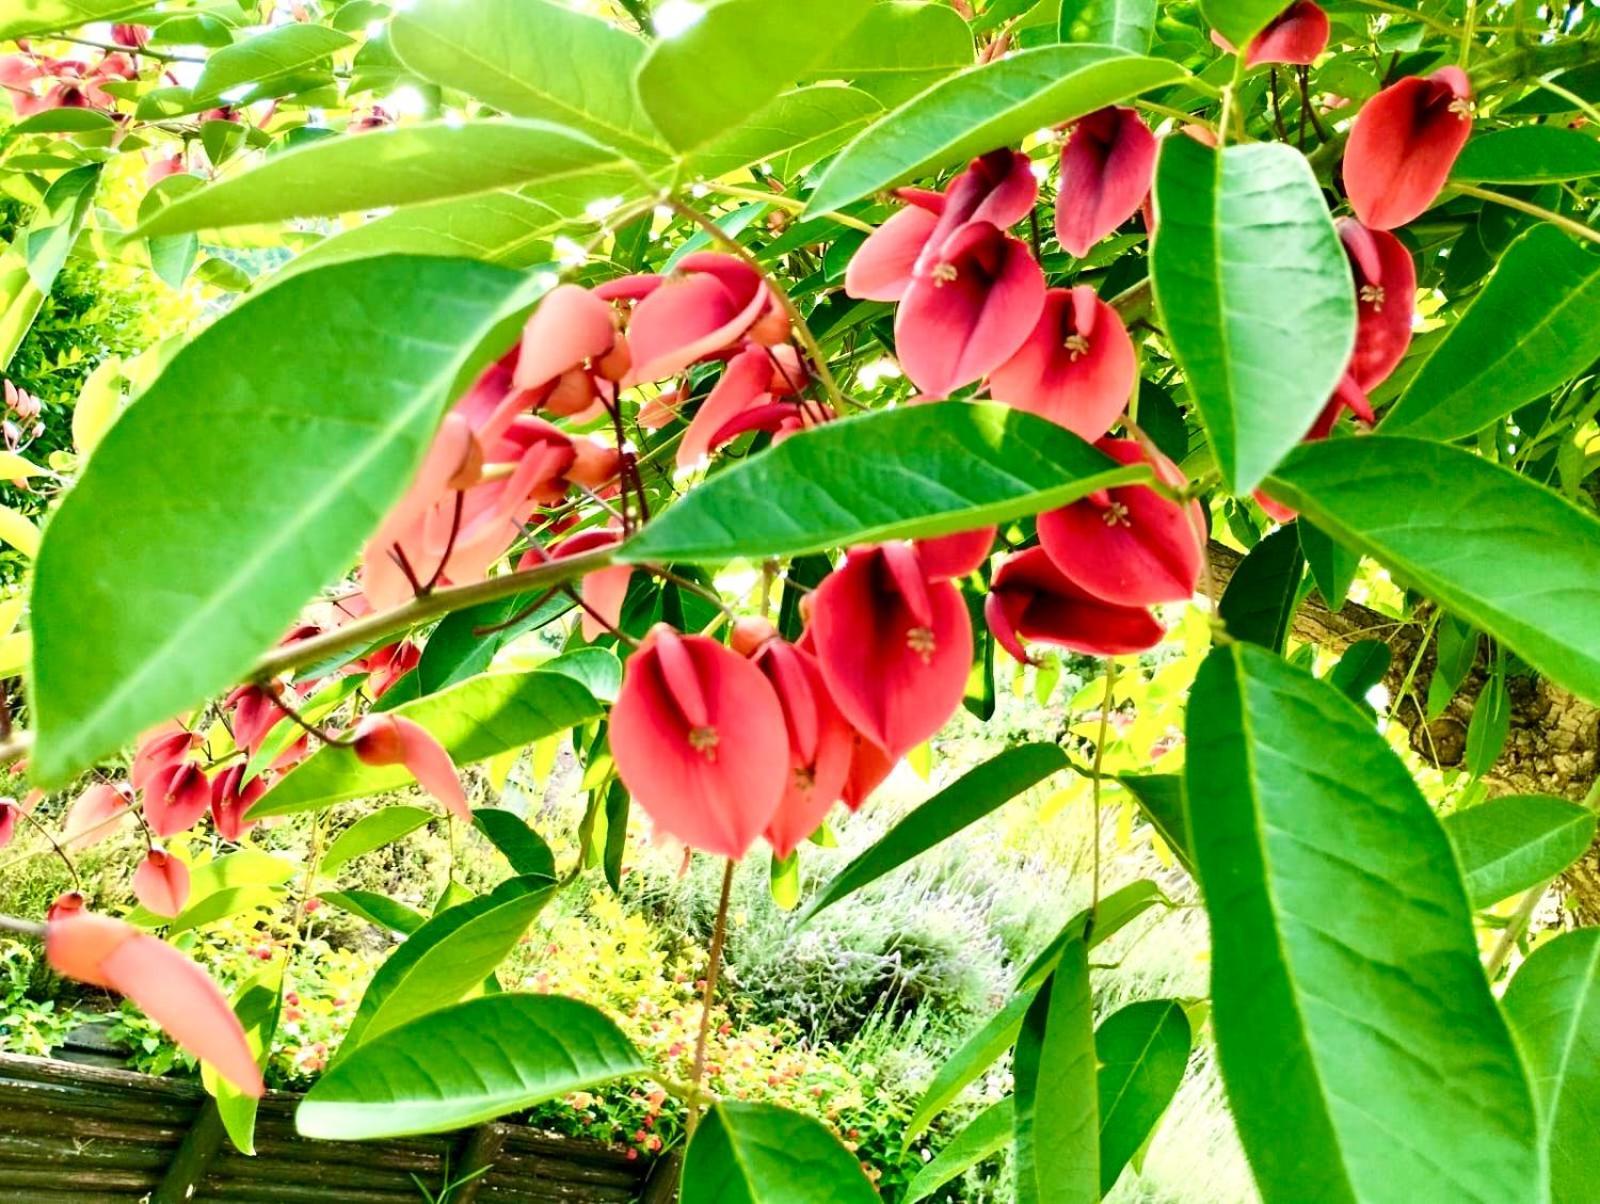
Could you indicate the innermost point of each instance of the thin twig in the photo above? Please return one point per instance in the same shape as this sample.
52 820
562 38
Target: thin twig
1575 228
719 934
25 927
1094 784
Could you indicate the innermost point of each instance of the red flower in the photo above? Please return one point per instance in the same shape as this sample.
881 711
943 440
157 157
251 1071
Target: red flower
820 741
159 753
1129 545
1296 36
94 815
881 268
969 308
744 386
870 767
8 821
1386 300
176 798
389 664
166 985
231 799
571 327
1106 168
1032 599
700 741
384 739
1403 145
957 555
894 647
708 306
161 883
1078 367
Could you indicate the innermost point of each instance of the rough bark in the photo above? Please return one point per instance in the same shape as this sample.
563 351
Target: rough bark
1554 746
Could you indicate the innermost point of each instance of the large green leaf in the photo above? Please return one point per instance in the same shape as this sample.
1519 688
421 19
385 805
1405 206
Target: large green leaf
1364 1055
1255 294
1057 1122
532 58
985 1135
401 165
763 1154
1260 600
999 1033
1531 329
807 124
258 475
954 466
1554 1007
1509 556
1240 20
1130 24
474 720
1507 845
455 651
899 48
377 909
960 804
1160 797
519 844
1529 154
49 16
1143 1051
447 957
984 107
267 58
383 826
465 1065
708 79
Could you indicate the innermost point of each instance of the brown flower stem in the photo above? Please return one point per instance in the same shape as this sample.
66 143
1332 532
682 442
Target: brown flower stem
55 845
281 700
802 332
719 935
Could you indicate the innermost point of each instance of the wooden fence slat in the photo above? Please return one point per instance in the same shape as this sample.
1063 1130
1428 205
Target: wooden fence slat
478 1155
662 1186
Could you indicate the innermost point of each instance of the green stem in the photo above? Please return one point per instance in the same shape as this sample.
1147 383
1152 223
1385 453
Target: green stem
1576 228
788 203
719 934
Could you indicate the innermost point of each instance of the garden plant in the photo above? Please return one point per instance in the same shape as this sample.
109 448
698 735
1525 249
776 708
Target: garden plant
724 398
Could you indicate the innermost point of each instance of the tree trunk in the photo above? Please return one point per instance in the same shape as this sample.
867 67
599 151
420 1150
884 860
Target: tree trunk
1554 746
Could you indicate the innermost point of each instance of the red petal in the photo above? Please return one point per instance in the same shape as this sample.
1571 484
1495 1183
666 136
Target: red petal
956 555
1386 299
570 325
232 796
880 270
1045 605
820 744
175 800
1078 367
604 591
161 883
897 675
714 784
1137 548
94 816
431 765
694 315
1106 169
1403 145
1295 36
870 766
969 312
998 188
743 386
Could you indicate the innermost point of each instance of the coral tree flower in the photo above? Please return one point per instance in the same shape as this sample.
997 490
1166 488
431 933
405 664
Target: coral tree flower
168 987
1129 545
8 821
1296 36
384 739
1404 143
894 646
700 741
99 812
604 590
1106 167
231 799
161 883
176 798
1034 600
820 741
708 305
1386 301
957 555
1078 368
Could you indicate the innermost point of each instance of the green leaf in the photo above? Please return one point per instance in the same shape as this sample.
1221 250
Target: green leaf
1455 656
49 16
1360 668
530 58
383 826
455 651
1160 797
899 48
956 465
524 848
708 79
257 1004
1143 1051
991 105
985 1135
806 124
1364 1055
446 958
962 803
1130 24
465 1065
55 227
286 732
376 909
595 669
210 568
474 721
1529 331
225 904
1491 722
1254 291
1512 844
401 165
1528 154
267 59
1509 556
247 868
1057 1120
1259 603
763 1154
1553 1004
1333 567
1240 20
979 1051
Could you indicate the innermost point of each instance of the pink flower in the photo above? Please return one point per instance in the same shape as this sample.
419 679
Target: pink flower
1386 301
1032 599
1078 367
97 813
1106 168
161 883
1297 36
385 739
231 799
707 306
1403 145
176 798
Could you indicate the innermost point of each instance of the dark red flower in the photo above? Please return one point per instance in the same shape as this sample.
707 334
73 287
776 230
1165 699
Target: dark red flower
1106 168
1386 300
1078 368
1403 145
231 799
1295 36
1031 599
176 798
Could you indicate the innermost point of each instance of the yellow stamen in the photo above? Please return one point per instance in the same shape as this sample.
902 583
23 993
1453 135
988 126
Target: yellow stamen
920 640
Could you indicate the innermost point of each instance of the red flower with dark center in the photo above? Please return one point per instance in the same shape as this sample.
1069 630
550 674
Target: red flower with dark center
1031 599
231 799
175 799
1078 368
1296 36
1403 145
1386 301
161 883
1106 167
705 308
